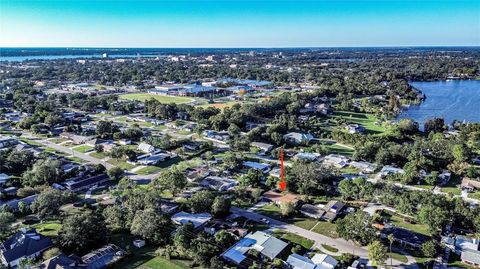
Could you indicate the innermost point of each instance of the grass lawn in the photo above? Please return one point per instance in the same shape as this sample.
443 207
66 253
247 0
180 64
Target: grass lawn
451 190
83 148
120 163
294 238
326 228
399 257
330 248
339 149
271 210
98 155
364 119
48 228
161 98
220 105
399 221
76 160
148 170
474 195
160 263
305 223
30 142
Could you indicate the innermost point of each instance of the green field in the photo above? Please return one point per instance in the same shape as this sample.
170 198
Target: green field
48 228
294 238
98 155
326 228
148 170
340 149
366 120
474 195
161 263
120 163
83 148
161 98
330 248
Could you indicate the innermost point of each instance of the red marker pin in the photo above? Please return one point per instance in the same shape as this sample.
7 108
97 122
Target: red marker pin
282 184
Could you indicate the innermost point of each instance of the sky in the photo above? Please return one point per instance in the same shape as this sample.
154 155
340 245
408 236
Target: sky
234 23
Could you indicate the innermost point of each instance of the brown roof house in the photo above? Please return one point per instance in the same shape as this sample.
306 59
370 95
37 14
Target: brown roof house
279 198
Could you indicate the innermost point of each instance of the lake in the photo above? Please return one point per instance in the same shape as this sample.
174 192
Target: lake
451 100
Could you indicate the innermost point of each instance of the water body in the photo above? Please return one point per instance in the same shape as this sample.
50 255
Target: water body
451 100
56 57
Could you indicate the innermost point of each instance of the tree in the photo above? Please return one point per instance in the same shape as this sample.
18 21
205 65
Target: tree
433 216
216 263
377 253
434 125
224 239
356 227
202 250
307 178
6 220
287 208
221 206
183 237
460 153
43 172
115 173
201 201
391 239
114 216
430 248
253 178
82 231
49 201
151 226
172 179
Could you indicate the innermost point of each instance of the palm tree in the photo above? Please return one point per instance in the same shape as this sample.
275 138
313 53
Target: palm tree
391 239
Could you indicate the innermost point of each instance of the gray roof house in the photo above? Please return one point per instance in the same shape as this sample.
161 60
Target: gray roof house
312 211
298 138
266 244
22 245
471 257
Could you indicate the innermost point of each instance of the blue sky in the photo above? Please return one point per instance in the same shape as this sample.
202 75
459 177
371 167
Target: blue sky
231 23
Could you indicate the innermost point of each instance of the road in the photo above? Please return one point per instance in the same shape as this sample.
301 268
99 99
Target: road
342 245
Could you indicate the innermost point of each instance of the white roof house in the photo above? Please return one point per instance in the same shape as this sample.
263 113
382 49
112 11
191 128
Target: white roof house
4 178
147 148
197 220
364 167
219 183
336 160
319 261
324 261
264 243
387 170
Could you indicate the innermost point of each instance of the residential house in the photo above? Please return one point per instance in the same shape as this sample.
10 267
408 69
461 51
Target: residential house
83 183
355 128
267 245
219 183
444 177
279 198
305 156
312 211
390 170
103 257
216 136
335 160
191 146
60 261
197 173
7 142
364 167
262 167
146 148
404 237
298 138
324 261
4 178
471 257
155 158
333 209
26 244
264 147
470 185
198 220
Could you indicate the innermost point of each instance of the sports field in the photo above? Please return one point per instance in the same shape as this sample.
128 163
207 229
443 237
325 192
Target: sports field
161 98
